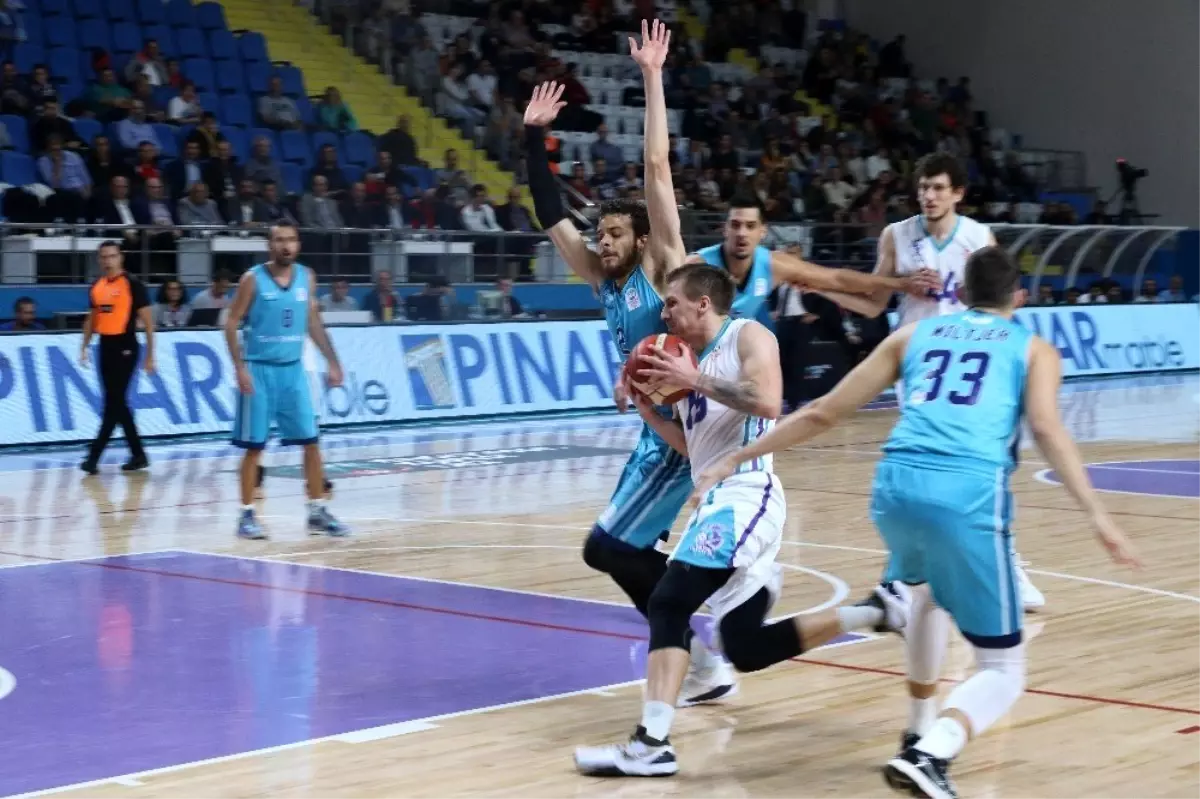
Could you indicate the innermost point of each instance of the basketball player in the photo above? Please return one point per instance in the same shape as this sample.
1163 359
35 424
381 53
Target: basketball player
278 301
316 388
941 498
726 557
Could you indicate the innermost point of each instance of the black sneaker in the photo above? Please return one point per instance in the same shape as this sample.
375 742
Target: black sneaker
895 780
921 774
328 486
135 464
90 467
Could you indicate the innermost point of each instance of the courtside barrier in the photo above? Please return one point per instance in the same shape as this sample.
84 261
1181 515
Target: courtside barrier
398 373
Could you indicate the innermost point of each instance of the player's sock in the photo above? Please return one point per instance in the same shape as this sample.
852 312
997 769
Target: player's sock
922 713
944 740
656 720
857 617
316 505
247 509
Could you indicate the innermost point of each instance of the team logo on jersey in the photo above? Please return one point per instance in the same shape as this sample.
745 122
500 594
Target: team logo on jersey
632 300
760 287
302 294
709 538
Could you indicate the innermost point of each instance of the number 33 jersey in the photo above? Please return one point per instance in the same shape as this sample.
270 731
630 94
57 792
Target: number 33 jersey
711 429
916 250
964 384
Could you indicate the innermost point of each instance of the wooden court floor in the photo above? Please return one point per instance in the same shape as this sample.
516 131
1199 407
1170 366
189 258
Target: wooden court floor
1112 711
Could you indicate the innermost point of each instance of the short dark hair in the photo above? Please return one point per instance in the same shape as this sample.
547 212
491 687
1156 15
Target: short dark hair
934 164
479 188
992 277
748 199
22 301
634 209
109 242
703 280
280 223
222 276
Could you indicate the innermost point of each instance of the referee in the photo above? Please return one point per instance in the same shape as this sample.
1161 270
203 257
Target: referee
117 301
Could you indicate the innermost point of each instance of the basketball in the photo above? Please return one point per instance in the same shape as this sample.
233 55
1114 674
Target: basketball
661 395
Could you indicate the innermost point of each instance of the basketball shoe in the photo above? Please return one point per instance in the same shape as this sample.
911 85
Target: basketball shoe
640 757
922 775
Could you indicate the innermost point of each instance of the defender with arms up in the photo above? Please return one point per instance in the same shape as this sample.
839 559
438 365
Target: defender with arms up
941 498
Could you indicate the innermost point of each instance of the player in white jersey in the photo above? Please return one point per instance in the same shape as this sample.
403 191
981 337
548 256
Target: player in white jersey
726 555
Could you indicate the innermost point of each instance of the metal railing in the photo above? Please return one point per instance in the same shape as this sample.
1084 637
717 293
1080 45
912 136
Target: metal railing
66 254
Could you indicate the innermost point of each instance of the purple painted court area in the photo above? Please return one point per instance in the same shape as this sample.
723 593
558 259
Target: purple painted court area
135 663
1162 478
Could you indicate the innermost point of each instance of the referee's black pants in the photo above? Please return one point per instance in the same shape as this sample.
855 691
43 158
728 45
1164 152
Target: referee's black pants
118 360
794 337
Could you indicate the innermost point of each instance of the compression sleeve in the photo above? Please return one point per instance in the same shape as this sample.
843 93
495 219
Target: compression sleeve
547 200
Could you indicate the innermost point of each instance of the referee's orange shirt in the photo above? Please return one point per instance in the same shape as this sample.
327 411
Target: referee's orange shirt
116 301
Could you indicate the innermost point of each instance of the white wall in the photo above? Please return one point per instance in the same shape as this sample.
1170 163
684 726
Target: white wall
1113 78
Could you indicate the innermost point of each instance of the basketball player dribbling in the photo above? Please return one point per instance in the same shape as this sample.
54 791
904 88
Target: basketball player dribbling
941 498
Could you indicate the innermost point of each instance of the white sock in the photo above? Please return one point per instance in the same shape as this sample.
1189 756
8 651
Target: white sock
247 509
657 718
922 713
315 505
944 740
856 617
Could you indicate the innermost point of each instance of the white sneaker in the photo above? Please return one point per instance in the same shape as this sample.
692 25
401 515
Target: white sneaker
1031 598
714 681
895 600
641 757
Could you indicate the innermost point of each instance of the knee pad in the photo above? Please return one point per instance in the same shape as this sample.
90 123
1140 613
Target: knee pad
678 595
610 555
751 645
1010 663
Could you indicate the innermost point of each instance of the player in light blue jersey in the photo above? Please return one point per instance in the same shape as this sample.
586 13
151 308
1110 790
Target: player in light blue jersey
757 270
636 245
277 300
941 498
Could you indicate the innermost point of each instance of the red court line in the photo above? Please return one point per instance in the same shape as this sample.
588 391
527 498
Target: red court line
1102 700
1188 730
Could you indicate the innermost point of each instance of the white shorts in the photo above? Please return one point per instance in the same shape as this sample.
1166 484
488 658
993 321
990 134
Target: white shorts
738 525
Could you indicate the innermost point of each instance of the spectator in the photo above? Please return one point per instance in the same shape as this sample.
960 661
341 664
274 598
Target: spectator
51 123
65 172
184 108
601 182
260 166
456 179
838 192
14 93
581 194
505 131
333 114
630 180
103 167
277 110
317 209
198 209
162 235
222 174
241 211
382 175
1116 294
24 317
510 306
482 86
391 213
1175 293
117 209
1149 291
148 64
41 89
478 215
1045 296
106 98
207 134
171 307
724 157
338 298
144 93
175 77
604 150
186 172
147 165
513 216
454 102
355 210
218 295
327 166
135 129
1072 297
400 144
382 301
1095 295
269 210
423 71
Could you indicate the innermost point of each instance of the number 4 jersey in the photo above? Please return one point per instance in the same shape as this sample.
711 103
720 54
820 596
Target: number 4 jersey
916 250
711 429
964 383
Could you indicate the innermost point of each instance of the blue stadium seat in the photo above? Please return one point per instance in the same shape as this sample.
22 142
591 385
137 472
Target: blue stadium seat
190 43
152 12
305 107
211 17
254 48
321 138
70 91
223 46
293 146
359 149
33 29
353 173
17 168
55 8
25 55
257 76
88 9
18 131
422 175
235 110
163 95
181 14
94 33
64 65
88 129
200 72
293 81
87 72
167 145
237 140
120 10
127 38
209 101
230 79
293 180
62 33
165 38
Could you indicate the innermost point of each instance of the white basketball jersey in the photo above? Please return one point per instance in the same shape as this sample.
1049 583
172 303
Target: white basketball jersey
712 430
916 250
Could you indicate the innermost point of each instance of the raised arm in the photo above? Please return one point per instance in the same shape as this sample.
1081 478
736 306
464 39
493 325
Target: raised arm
547 198
664 250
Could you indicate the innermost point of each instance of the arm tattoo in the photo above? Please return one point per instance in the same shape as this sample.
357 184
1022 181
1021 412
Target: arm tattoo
738 396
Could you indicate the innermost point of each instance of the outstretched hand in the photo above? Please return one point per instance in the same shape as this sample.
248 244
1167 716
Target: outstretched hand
656 43
545 104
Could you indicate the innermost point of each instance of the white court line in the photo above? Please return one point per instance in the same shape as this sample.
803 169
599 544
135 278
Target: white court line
1147 471
1044 477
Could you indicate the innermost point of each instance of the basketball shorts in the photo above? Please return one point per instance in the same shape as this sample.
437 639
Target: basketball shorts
280 397
654 486
950 529
738 525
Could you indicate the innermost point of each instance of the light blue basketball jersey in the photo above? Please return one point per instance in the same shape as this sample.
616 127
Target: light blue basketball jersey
632 312
277 323
750 302
964 383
